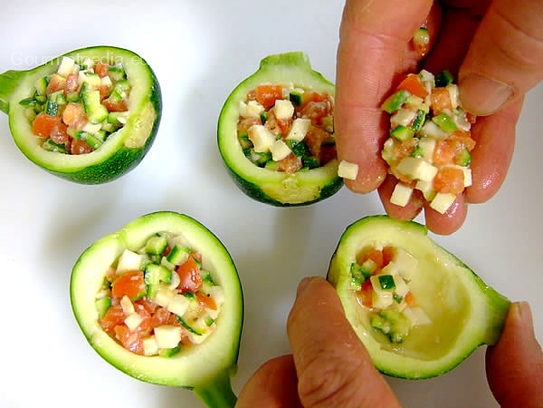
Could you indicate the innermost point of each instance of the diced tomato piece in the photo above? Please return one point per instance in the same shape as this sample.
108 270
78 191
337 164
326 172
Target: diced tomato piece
113 317
101 68
56 83
245 123
80 147
376 255
409 299
328 153
189 274
290 164
149 306
441 100
160 317
463 138
130 284
449 180
74 115
317 110
72 83
443 152
272 124
388 255
251 95
413 85
266 95
130 340
314 139
121 106
365 294
206 301
44 124
314 96
60 135
471 118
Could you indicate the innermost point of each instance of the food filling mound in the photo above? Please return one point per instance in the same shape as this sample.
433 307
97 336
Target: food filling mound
380 279
159 299
430 143
75 109
286 128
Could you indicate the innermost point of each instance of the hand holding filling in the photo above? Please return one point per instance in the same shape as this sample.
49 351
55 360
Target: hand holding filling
493 51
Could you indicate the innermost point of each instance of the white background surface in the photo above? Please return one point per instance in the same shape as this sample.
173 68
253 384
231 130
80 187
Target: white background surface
200 50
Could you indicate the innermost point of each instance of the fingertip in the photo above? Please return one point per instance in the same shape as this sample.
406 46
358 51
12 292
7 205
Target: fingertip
448 222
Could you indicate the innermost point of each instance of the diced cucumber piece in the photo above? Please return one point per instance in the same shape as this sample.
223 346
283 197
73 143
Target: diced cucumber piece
116 73
445 122
169 352
73 97
402 133
51 108
41 86
154 274
156 244
296 97
187 326
51 146
102 306
395 101
93 141
310 162
394 324
443 79
419 120
386 282
178 255
28 102
464 158
264 117
96 112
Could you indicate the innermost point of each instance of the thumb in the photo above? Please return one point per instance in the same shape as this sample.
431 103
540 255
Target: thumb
333 367
515 365
505 58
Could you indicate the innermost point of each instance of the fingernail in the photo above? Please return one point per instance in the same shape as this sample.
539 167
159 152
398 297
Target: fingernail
302 286
522 313
483 96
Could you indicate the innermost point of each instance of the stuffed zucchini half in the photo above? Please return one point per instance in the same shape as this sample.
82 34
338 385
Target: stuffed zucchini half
89 116
418 309
161 301
276 134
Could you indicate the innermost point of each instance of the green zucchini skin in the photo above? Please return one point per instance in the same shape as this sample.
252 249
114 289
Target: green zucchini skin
123 150
206 368
268 186
445 287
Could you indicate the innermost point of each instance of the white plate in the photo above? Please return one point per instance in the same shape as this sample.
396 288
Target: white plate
200 50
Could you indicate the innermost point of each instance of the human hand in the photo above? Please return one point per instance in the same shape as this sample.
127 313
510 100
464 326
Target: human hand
475 40
330 367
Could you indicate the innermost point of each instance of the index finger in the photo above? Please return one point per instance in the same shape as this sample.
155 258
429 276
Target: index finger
334 369
371 52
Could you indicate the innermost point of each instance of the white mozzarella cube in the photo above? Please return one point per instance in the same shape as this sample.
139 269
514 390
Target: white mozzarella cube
127 306
66 66
381 300
402 117
347 170
442 202
468 181
178 305
279 150
402 288
299 129
401 195
163 297
427 189
128 261
168 336
427 146
417 168
92 128
106 82
251 109
150 348
283 109
261 137
133 321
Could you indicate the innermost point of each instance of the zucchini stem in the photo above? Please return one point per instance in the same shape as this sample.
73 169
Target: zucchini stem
217 393
9 81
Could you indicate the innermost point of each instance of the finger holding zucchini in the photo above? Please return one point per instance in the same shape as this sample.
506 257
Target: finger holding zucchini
88 116
276 136
161 301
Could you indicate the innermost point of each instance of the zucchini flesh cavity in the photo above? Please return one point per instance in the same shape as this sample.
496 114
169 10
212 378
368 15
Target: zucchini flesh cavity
444 289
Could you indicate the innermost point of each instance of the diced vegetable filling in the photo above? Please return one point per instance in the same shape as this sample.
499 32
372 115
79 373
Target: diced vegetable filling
430 143
75 109
380 278
286 128
159 299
